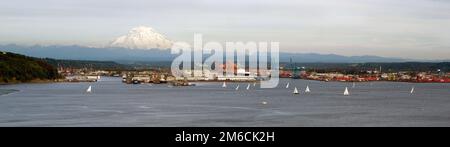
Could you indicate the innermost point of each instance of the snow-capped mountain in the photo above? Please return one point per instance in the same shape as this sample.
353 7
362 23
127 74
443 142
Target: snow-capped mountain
142 38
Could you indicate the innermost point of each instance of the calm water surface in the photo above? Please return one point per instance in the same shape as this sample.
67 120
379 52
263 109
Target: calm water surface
113 103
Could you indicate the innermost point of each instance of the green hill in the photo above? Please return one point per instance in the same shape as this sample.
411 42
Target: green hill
98 65
15 68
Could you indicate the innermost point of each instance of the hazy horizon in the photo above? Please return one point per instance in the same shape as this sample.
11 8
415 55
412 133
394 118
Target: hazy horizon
414 29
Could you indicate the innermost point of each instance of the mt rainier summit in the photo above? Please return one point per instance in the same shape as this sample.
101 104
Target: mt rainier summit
142 38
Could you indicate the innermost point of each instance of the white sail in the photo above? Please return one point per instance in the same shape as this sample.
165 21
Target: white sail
412 90
224 85
89 90
237 88
354 85
307 89
248 86
287 85
346 91
254 84
295 91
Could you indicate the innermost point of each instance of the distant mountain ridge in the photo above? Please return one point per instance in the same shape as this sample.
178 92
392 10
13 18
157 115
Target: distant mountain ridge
77 64
75 52
333 58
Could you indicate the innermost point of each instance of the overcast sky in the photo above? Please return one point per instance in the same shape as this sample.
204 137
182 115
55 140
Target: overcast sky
394 28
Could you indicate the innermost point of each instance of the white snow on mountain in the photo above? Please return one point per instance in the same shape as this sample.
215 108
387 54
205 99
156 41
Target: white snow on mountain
142 38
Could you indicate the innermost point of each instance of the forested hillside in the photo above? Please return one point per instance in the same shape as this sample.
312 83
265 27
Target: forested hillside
98 65
16 68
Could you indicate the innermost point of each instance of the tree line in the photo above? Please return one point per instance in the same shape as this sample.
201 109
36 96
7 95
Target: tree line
19 68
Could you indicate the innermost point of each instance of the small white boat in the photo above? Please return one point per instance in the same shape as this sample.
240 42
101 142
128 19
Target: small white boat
89 90
224 85
264 102
248 87
287 85
346 91
412 90
237 88
295 91
307 89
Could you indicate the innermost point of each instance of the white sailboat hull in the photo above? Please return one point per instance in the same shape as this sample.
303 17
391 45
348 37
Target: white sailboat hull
295 91
89 90
346 91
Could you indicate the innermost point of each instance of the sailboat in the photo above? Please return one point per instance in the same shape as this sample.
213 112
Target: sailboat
307 89
287 85
346 91
237 88
89 90
224 85
354 85
295 91
412 90
248 86
254 84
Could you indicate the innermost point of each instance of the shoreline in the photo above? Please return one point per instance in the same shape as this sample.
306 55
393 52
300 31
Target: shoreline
215 81
39 81
35 81
367 81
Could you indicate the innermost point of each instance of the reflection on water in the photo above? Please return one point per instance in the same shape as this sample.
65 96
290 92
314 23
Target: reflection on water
7 91
112 103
